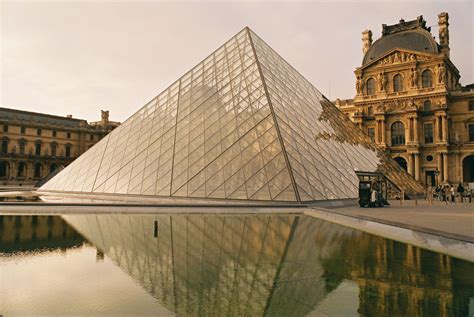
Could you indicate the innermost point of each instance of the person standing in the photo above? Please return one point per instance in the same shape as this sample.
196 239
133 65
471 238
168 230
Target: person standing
446 193
452 194
460 191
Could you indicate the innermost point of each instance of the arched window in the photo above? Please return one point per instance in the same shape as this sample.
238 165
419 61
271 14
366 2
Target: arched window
53 167
5 142
402 162
426 79
371 86
21 172
427 105
54 148
397 83
38 170
22 145
4 167
398 133
38 147
67 148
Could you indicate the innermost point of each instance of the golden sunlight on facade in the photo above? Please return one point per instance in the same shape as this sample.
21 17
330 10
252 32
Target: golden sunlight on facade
36 144
410 102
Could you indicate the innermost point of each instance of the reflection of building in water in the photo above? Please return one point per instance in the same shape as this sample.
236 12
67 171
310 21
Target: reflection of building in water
403 280
275 265
33 233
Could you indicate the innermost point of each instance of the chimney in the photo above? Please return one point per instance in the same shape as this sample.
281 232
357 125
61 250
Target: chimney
443 23
69 116
366 40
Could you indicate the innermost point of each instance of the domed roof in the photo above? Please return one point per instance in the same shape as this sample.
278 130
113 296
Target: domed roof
415 40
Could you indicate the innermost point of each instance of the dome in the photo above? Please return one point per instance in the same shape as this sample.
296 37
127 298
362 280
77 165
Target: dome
416 40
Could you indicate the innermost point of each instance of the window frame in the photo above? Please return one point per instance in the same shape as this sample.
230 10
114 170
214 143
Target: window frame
425 136
398 139
430 83
397 82
372 86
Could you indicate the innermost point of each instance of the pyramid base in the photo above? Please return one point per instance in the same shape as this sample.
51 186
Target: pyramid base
74 198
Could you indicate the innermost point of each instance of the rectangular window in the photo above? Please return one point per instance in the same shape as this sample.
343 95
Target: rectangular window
92 137
68 135
5 128
22 130
22 147
38 131
471 105
428 132
53 149
54 133
68 151
371 133
4 146
38 149
471 133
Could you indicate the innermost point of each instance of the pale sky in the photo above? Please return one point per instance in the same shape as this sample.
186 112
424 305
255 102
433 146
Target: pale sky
78 57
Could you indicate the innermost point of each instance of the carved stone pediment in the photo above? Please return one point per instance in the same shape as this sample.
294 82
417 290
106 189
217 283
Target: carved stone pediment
399 57
398 106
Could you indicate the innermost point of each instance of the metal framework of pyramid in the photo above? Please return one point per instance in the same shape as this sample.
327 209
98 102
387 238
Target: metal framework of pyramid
241 125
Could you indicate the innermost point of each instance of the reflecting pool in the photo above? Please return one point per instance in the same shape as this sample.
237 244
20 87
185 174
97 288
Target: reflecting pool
220 265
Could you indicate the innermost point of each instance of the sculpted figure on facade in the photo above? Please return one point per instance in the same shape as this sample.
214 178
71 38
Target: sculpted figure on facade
381 108
441 74
414 78
382 79
358 85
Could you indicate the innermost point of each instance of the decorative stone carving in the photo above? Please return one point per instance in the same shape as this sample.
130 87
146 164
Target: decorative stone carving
414 78
382 80
381 108
401 57
441 74
359 85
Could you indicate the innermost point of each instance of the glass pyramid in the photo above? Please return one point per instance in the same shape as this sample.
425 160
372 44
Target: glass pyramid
241 125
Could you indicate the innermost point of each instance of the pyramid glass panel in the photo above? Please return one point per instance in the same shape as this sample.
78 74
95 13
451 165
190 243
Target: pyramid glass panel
241 125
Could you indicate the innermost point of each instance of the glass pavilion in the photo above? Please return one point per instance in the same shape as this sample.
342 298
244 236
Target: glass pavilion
242 125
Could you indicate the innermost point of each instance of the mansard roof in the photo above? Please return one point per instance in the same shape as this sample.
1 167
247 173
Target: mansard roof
412 35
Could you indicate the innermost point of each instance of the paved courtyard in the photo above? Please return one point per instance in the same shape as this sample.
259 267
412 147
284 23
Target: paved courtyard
454 221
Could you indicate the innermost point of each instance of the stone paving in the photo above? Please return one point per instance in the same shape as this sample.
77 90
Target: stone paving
449 220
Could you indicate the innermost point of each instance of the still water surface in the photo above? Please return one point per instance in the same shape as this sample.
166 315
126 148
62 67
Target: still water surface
220 265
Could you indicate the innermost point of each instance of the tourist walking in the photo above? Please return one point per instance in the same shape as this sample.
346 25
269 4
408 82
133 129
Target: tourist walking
460 191
438 192
446 193
452 194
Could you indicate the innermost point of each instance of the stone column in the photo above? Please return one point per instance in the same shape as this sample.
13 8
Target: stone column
377 134
382 124
417 166
440 167
445 167
410 164
415 129
445 129
436 129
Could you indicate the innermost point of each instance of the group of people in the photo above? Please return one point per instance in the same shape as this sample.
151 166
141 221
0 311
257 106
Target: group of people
449 192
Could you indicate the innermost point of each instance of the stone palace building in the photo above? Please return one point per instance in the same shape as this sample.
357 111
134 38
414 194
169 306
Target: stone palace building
409 101
35 144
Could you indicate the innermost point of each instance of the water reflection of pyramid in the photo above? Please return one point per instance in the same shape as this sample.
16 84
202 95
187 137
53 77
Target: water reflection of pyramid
243 124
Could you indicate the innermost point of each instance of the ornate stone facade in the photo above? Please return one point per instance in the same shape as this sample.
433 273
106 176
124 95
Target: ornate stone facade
35 144
409 100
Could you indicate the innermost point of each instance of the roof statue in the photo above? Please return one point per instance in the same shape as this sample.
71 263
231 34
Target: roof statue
241 125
